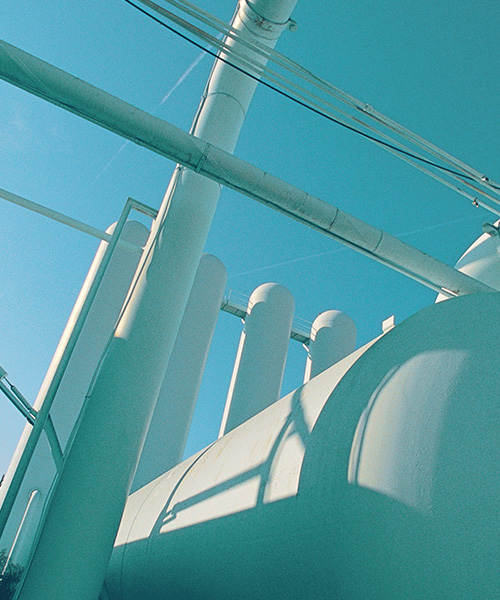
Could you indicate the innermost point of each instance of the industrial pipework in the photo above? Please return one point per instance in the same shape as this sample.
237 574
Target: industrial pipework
90 491
83 99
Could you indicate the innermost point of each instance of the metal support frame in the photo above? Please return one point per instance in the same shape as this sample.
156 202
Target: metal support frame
30 414
65 220
237 306
18 400
41 420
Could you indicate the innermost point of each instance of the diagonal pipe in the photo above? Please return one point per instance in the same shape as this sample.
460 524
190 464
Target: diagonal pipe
95 105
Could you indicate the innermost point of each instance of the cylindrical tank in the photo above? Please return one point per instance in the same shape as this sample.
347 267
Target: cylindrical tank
260 361
76 380
169 429
482 260
377 479
333 337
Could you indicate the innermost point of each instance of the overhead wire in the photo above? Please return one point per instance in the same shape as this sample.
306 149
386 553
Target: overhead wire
283 82
328 87
296 89
272 54
320 83
317 104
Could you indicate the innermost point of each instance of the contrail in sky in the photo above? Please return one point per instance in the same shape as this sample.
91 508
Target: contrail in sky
192 66
179 82
329 252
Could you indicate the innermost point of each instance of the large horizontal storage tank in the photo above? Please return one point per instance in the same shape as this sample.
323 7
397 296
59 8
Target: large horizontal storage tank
377 480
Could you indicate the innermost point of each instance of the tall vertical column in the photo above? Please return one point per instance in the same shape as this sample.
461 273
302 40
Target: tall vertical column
260 361
169 429
333 337
88 499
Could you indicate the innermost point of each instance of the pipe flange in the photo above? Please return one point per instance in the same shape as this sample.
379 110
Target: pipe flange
260 25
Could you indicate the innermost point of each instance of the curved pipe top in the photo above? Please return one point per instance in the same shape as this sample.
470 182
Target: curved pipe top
482 259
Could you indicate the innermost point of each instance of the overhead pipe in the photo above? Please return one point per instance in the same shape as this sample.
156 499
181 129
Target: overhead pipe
108 111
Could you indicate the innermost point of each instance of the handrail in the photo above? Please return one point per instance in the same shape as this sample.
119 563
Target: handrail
66 220
41 420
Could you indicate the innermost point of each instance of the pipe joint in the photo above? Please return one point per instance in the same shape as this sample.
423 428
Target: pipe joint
259 25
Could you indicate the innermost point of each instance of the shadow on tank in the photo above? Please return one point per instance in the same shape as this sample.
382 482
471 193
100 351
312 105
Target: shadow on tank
398 488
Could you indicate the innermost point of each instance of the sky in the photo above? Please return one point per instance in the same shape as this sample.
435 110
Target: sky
433 66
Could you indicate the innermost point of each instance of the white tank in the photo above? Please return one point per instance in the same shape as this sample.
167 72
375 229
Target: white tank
482 259
333 337
260 361
169 429
378 479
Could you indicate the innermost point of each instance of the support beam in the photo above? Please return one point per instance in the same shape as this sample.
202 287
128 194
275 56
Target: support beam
65 220
73 94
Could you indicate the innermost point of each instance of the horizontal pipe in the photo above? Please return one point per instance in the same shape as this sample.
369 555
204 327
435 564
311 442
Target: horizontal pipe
64 219
238 310
69 92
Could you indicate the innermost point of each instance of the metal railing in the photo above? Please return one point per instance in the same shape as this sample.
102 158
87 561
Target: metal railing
235 303
41 419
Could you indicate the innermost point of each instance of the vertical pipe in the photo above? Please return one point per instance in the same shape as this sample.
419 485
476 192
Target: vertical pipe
68 397
333 337
89 495
260 361
169 429
21 461
20 549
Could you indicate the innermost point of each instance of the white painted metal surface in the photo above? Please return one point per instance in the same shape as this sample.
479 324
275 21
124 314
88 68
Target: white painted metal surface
26 71
333 337
377 479
77 378
169 429
482 259
260 361
89 495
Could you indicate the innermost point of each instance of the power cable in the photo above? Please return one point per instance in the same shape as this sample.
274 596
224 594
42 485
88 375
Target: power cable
391 146
319 83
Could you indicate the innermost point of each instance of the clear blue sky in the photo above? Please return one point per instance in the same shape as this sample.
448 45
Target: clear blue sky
433 66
